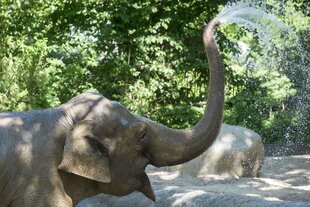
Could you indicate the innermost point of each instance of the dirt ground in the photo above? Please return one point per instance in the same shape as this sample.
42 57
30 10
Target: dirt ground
282 179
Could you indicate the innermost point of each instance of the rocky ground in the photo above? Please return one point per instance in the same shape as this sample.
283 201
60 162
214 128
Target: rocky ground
284 181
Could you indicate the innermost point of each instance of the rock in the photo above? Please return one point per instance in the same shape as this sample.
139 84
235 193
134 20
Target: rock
237 152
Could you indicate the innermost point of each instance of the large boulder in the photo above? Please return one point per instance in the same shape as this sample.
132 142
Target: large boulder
236 152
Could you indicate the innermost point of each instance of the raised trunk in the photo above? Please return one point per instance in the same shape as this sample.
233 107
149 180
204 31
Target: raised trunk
169 146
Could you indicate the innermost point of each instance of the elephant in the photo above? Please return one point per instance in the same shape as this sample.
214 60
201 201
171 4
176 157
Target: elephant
89 145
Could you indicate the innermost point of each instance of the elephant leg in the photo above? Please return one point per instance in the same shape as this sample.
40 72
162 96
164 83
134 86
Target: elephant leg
54 195
40 191
41 200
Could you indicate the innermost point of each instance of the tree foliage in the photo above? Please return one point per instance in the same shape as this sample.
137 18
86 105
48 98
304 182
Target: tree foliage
147 55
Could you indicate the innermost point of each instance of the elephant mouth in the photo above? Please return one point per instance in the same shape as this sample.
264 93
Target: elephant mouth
146 187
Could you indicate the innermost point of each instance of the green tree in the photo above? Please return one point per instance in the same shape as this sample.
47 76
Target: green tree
149 56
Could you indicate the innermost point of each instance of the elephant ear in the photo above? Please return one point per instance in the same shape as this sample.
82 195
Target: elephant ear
84 154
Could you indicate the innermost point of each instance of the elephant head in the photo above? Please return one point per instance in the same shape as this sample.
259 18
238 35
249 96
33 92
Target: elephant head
110 145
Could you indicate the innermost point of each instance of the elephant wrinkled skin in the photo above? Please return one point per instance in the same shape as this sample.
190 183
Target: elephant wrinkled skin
90 145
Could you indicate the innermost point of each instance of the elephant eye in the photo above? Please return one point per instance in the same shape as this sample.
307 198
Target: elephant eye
141 141
97 145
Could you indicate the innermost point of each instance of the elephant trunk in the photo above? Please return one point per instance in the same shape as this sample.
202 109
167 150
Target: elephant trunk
170 146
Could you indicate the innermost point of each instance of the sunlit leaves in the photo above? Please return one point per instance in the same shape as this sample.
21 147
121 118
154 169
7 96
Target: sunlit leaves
147 54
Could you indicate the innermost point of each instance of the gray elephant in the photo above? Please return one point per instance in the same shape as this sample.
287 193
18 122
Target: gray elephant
90 145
